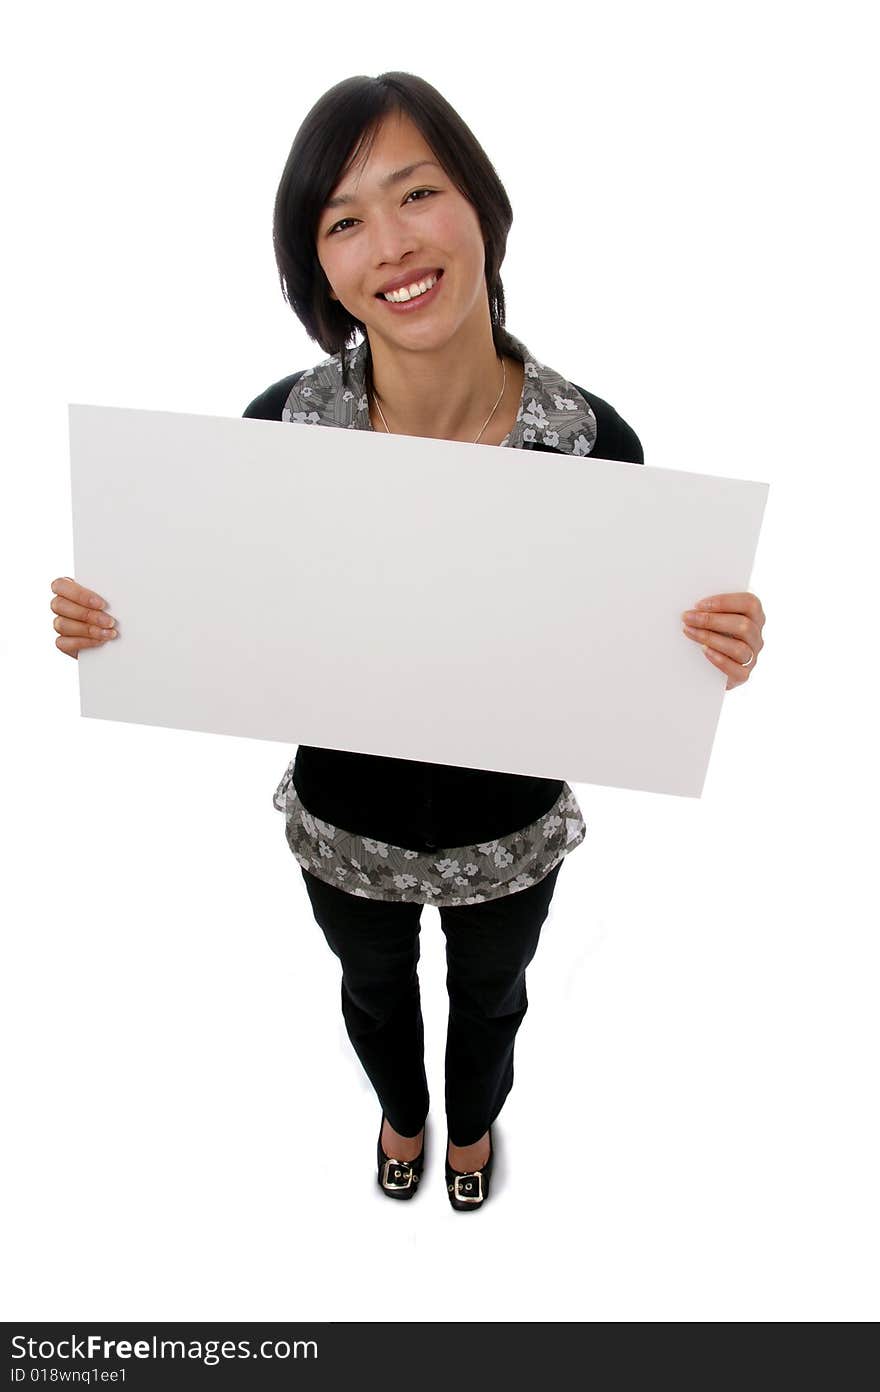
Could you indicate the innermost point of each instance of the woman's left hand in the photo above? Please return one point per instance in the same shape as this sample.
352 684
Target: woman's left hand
729 627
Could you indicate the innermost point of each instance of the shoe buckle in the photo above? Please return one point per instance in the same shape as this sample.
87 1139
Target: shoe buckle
401 1168
465 1185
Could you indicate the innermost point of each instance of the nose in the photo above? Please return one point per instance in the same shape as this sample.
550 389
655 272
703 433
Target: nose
392 242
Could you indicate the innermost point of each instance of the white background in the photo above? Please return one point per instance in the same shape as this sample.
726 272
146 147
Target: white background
693 1130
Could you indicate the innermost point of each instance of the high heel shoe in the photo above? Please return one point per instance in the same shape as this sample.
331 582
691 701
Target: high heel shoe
399 1179
469 1189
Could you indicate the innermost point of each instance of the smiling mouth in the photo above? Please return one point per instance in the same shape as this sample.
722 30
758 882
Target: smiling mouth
381 294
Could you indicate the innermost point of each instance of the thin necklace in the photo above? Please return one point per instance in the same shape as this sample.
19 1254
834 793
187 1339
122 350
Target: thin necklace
488 418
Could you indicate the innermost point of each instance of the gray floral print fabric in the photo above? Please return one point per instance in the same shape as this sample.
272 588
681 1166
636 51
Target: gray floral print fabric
459 875
553 412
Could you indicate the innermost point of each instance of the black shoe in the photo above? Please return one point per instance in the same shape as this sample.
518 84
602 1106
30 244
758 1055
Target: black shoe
399 1179
469 1189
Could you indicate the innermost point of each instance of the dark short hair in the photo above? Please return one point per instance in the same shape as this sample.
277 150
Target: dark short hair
341 124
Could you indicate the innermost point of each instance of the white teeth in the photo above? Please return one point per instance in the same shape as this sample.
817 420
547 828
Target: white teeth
410 292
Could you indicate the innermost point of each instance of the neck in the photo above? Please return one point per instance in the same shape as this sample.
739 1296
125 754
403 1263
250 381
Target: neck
443 393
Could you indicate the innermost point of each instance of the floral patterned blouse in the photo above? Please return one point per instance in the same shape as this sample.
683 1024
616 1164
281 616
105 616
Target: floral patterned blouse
553 411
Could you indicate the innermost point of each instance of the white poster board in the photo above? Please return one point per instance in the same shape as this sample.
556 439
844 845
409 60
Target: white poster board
425 599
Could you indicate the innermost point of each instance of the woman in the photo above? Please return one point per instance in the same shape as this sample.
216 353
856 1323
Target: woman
390 220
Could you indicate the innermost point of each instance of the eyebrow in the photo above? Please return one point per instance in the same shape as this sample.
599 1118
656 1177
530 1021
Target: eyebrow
395 177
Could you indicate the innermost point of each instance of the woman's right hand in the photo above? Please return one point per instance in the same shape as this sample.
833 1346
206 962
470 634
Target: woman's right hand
81 622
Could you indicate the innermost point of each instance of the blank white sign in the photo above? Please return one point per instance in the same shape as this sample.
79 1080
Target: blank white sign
425 599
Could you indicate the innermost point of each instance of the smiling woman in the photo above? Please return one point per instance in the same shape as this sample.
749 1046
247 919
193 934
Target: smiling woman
391 222
419 198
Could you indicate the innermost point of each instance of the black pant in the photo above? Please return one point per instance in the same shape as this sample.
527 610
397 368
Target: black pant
488 947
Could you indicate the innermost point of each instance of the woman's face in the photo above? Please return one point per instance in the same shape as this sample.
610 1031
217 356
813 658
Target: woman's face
418 224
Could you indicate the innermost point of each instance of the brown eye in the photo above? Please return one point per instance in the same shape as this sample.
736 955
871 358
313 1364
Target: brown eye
336 225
